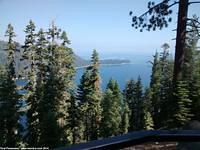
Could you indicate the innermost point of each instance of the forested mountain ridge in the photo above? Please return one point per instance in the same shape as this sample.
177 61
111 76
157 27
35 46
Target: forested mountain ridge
79 61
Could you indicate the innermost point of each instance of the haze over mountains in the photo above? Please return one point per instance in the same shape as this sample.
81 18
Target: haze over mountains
79 61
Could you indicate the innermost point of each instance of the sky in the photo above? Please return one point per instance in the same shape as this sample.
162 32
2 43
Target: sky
104 25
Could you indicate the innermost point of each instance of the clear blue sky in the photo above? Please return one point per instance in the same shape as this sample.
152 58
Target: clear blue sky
101 24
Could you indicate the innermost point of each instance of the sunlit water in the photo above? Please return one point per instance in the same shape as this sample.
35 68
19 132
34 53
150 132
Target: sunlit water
122 73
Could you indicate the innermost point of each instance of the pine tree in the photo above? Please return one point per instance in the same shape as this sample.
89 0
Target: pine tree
82 92
125 118
65 63
58 85
130 99
89 94
133 95
147 121
3 132
182 105
9 98
192 68
166 66
75 124
155 89
138 103
28 57
146 109
111 114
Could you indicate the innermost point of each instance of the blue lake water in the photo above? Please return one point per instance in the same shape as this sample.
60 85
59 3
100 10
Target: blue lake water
122 73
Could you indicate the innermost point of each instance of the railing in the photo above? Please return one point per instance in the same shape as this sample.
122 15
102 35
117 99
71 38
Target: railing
138 137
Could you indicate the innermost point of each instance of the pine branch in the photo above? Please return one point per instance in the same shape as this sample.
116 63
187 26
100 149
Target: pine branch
145 13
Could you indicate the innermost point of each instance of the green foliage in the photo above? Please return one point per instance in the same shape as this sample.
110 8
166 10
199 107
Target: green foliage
57 116
89 95
155 89
111 114
192 68
125 118
182 105
58 85
130 99
147 120
166 65
50 72
146 109
9 98
28 57
74 120
133 96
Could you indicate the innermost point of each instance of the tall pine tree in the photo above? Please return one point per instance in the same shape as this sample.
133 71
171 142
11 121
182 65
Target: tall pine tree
166 66
9 97
130 100
29 73
155 89
89 94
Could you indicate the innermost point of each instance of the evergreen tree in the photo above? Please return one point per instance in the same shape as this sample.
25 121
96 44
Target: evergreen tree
130 99
133 95
54 73
75 124
82 92
155 89
138 104
182 105
146 108
147 120
28 57
125 118
111 114
147 99
9 98
89 94
3 131
192 67
166 66
54 105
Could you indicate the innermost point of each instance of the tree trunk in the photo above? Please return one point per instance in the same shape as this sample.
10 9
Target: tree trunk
180 40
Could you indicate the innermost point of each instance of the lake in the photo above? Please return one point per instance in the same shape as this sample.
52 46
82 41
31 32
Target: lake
122 73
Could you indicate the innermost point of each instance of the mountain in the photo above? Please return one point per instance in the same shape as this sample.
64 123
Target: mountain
79 62
114 61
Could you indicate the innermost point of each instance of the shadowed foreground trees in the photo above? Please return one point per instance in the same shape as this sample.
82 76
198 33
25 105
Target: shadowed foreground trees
9 97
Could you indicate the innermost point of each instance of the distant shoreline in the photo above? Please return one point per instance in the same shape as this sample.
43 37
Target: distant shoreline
103 65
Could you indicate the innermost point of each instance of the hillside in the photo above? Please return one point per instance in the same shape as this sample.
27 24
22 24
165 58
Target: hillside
79 62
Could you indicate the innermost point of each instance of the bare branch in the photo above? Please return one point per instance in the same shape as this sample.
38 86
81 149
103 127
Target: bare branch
173 4
196 2
193 20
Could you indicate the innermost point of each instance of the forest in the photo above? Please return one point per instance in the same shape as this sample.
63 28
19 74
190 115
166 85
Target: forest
59 113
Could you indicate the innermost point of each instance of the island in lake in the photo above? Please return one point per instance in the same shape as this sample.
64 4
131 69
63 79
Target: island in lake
79 61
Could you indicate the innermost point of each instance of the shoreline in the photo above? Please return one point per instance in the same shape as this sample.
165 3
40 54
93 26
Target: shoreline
103 65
